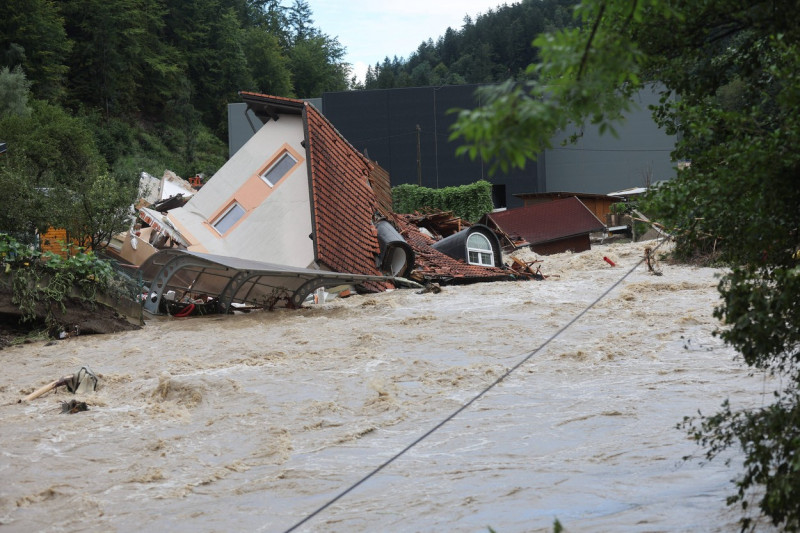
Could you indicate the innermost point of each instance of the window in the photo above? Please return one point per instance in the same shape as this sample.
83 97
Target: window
499 195
228 218
279 169
479 250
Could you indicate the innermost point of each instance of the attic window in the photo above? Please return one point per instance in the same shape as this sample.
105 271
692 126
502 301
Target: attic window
227 220
479 250
279 169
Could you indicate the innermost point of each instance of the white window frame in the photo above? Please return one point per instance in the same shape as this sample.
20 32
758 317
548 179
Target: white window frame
222 218
484 257
272 180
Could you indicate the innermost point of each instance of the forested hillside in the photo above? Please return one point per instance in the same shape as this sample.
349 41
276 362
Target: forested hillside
494 47
169 66
93 92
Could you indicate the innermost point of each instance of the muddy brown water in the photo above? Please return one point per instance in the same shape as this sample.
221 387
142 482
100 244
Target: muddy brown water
252 422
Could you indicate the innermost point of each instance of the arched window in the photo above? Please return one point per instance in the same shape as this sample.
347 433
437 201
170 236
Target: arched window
479 250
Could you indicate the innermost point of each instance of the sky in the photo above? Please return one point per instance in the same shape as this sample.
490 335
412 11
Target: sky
371 30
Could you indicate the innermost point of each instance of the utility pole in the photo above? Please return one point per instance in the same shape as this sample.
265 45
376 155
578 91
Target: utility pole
419 159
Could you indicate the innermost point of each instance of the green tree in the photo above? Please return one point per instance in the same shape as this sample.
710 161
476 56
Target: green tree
300 21
734 65
317 66
32 36
268 63
118 64
270 17
101 209
23 208
57 147
55 176
14 91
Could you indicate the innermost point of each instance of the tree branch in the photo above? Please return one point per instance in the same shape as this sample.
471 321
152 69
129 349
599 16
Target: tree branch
596 25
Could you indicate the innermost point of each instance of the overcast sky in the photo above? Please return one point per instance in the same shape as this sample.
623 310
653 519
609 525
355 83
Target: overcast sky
374 29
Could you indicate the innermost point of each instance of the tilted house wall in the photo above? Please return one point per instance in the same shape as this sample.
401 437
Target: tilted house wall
319 213
276 223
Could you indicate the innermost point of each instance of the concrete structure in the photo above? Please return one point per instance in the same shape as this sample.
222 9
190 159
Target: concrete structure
383 124
639 156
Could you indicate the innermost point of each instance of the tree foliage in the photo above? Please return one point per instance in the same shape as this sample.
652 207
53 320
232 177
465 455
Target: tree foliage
93 93
33 37
494 47
14 92
733 66
55 176
165 70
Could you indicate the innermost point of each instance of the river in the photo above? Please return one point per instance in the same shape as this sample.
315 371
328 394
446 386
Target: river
253 422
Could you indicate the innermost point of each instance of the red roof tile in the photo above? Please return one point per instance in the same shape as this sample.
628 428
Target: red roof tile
549 221
382 187
433 265
347 189
343 203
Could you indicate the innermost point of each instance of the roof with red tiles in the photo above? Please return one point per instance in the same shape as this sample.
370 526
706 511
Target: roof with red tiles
381 185
433 265
343 202
347 190
547 222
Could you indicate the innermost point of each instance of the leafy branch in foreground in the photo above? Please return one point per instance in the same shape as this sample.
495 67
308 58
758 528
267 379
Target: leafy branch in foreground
729 72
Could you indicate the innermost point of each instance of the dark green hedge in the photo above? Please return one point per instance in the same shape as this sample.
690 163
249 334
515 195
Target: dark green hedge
469 202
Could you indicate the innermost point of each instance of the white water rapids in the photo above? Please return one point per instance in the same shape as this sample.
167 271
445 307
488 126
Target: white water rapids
252 422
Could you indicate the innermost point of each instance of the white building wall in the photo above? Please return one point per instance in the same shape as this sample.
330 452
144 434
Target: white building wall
277 230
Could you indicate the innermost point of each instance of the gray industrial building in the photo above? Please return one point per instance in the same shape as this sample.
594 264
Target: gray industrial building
407 132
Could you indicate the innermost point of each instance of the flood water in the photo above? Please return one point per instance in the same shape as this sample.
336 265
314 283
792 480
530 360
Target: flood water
253 422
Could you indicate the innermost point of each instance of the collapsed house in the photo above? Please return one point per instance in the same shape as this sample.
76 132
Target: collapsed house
449 250
298 202
548 228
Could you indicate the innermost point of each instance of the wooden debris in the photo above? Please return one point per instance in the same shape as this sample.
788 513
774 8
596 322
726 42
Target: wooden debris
47 388
650 261
431 287
517 265
73 406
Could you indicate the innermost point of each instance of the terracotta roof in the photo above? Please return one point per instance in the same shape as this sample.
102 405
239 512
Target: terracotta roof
546 222
433 265
347 190
382 187
343 203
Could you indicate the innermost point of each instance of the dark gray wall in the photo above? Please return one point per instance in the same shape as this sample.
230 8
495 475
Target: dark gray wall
383 124
602 163
242 124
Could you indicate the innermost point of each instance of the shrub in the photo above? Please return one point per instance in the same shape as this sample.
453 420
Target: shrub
469 202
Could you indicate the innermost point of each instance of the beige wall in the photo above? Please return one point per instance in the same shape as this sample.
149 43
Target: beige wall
277 222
